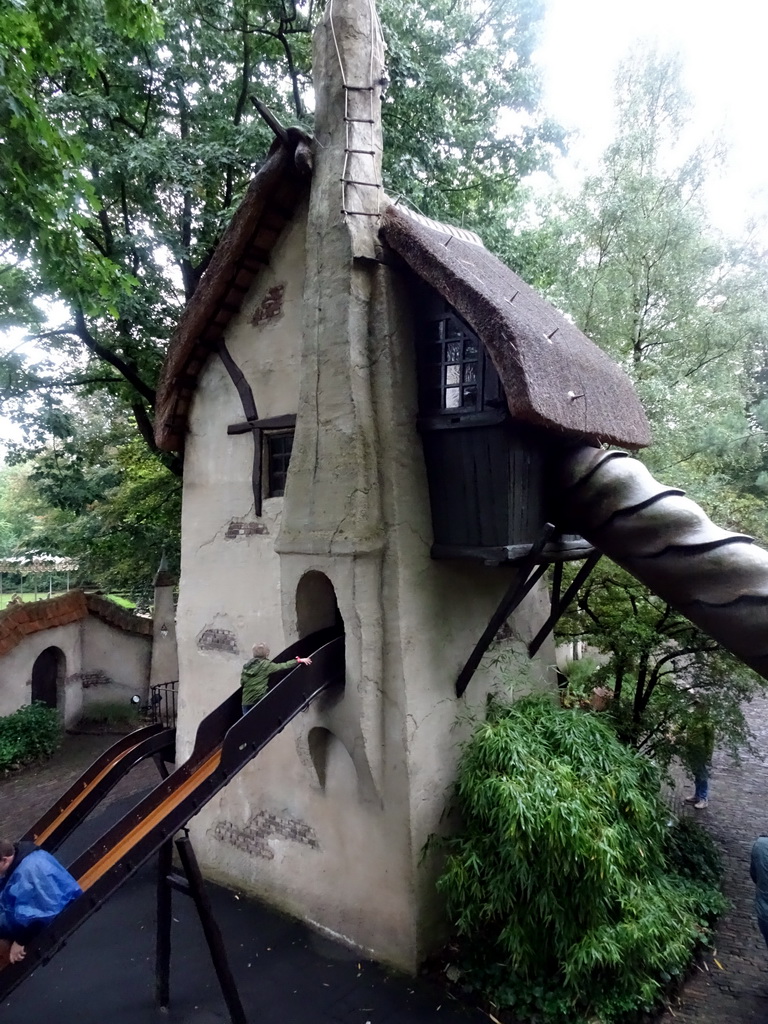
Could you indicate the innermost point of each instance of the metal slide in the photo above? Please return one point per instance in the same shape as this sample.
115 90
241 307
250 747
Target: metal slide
717 579
53 827
225 742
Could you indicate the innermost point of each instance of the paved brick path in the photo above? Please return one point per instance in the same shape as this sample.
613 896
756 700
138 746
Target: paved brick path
731 986
25 794
734 993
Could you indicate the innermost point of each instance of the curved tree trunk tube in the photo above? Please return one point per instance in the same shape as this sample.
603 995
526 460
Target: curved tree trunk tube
717 579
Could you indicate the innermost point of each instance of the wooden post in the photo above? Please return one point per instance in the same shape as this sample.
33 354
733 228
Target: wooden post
211 931
563 602
163 942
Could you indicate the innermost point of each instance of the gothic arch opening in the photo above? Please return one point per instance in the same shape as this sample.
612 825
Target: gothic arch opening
334 767
316 605
48 674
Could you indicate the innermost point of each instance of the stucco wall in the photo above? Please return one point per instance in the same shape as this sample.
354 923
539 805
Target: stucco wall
16 669
101 663
330 820
122 658
229 591
340 848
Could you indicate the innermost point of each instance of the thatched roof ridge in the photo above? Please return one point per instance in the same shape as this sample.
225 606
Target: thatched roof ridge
553 375
269 204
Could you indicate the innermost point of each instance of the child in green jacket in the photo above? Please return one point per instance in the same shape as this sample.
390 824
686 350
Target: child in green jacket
254 678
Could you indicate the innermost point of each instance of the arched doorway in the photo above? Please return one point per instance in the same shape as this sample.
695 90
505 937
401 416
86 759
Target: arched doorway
47 675
316 606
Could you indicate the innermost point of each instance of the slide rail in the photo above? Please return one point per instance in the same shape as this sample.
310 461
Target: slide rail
234 741
74 805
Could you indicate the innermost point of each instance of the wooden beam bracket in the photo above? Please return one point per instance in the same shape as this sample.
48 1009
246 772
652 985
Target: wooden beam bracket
528 576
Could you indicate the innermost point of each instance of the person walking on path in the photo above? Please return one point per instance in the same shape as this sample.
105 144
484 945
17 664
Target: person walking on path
34 889
698 744
254 678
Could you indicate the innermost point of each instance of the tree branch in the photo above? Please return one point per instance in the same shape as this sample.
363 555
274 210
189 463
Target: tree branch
122 367
147 431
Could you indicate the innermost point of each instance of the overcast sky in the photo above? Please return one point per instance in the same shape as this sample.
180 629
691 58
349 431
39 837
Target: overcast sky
725 69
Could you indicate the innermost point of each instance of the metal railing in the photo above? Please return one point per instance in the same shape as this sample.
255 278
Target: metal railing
162 704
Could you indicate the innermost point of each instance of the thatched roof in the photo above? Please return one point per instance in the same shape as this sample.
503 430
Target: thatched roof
269 204
553 375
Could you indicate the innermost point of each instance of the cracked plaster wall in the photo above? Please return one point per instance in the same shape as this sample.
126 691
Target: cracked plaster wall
356 509
89 646
230 582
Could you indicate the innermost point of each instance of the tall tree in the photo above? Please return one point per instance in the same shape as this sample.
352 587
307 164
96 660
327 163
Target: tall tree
147 140
129 138
635 260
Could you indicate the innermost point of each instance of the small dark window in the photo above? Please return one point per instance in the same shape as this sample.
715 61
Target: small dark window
278 445
453 365
456 376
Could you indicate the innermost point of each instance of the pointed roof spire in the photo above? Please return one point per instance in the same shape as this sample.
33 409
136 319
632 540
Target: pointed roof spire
164 577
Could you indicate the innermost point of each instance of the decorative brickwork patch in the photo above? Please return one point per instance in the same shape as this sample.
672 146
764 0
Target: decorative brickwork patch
218 640
270 307
242 528
253 838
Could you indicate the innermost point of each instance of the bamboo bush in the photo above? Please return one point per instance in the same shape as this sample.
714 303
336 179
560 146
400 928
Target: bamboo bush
565 903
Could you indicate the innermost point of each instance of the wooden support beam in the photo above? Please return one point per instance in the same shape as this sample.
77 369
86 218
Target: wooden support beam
249 408
268 423
559 609
211 931
163 939
528 576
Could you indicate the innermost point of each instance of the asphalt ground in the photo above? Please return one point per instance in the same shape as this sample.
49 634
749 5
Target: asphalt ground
285 972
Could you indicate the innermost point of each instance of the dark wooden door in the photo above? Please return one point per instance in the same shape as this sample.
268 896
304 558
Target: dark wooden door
45 675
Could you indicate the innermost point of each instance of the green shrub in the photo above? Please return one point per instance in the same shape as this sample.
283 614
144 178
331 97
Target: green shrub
581 678
111 714
558 885
29 734
691 853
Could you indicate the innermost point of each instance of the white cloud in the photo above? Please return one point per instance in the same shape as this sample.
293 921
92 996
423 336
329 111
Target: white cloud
723 68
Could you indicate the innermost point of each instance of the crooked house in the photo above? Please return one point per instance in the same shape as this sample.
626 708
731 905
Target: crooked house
369 405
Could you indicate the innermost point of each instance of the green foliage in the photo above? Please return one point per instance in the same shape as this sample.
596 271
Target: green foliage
112 714
85 488
653 659
580 678
462 117
29 734
134 139
635 260
691 853
129 139
558 884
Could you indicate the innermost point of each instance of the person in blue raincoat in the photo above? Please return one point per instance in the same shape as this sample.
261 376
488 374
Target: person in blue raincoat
34 889
758 870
